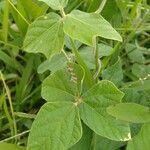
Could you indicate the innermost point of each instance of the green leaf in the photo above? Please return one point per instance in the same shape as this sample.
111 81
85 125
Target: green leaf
107 144
65 84
105 50
114 73
8 146
139 85
112 13
36 8
10 61
102 124
93 111
84 26
21 91
141 71
133 96
59 86
93 5
45 35
134 53
56 4
140 141
21 23
56 127
68 44
54 64
87 54
85 141
130 112
104 92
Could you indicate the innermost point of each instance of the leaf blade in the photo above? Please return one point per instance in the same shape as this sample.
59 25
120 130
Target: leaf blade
102 124
9 146
93 111
130 112
78 23
114 73
56 4
59 86
57 126
141 140
45 35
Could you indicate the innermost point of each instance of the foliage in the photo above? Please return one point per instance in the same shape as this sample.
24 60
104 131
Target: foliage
74 74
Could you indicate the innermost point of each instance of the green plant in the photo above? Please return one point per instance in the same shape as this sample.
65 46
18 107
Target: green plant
87 101
76 94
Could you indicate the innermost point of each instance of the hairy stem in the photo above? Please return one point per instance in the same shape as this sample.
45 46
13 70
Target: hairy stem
97 60
63 14
88 76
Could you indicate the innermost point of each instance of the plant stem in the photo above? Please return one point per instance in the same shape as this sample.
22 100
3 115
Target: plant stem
88 76
133 11
97 60
68 59
95 44
10 121
63 14
97 64
10 103
15 136
99 10
93 141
